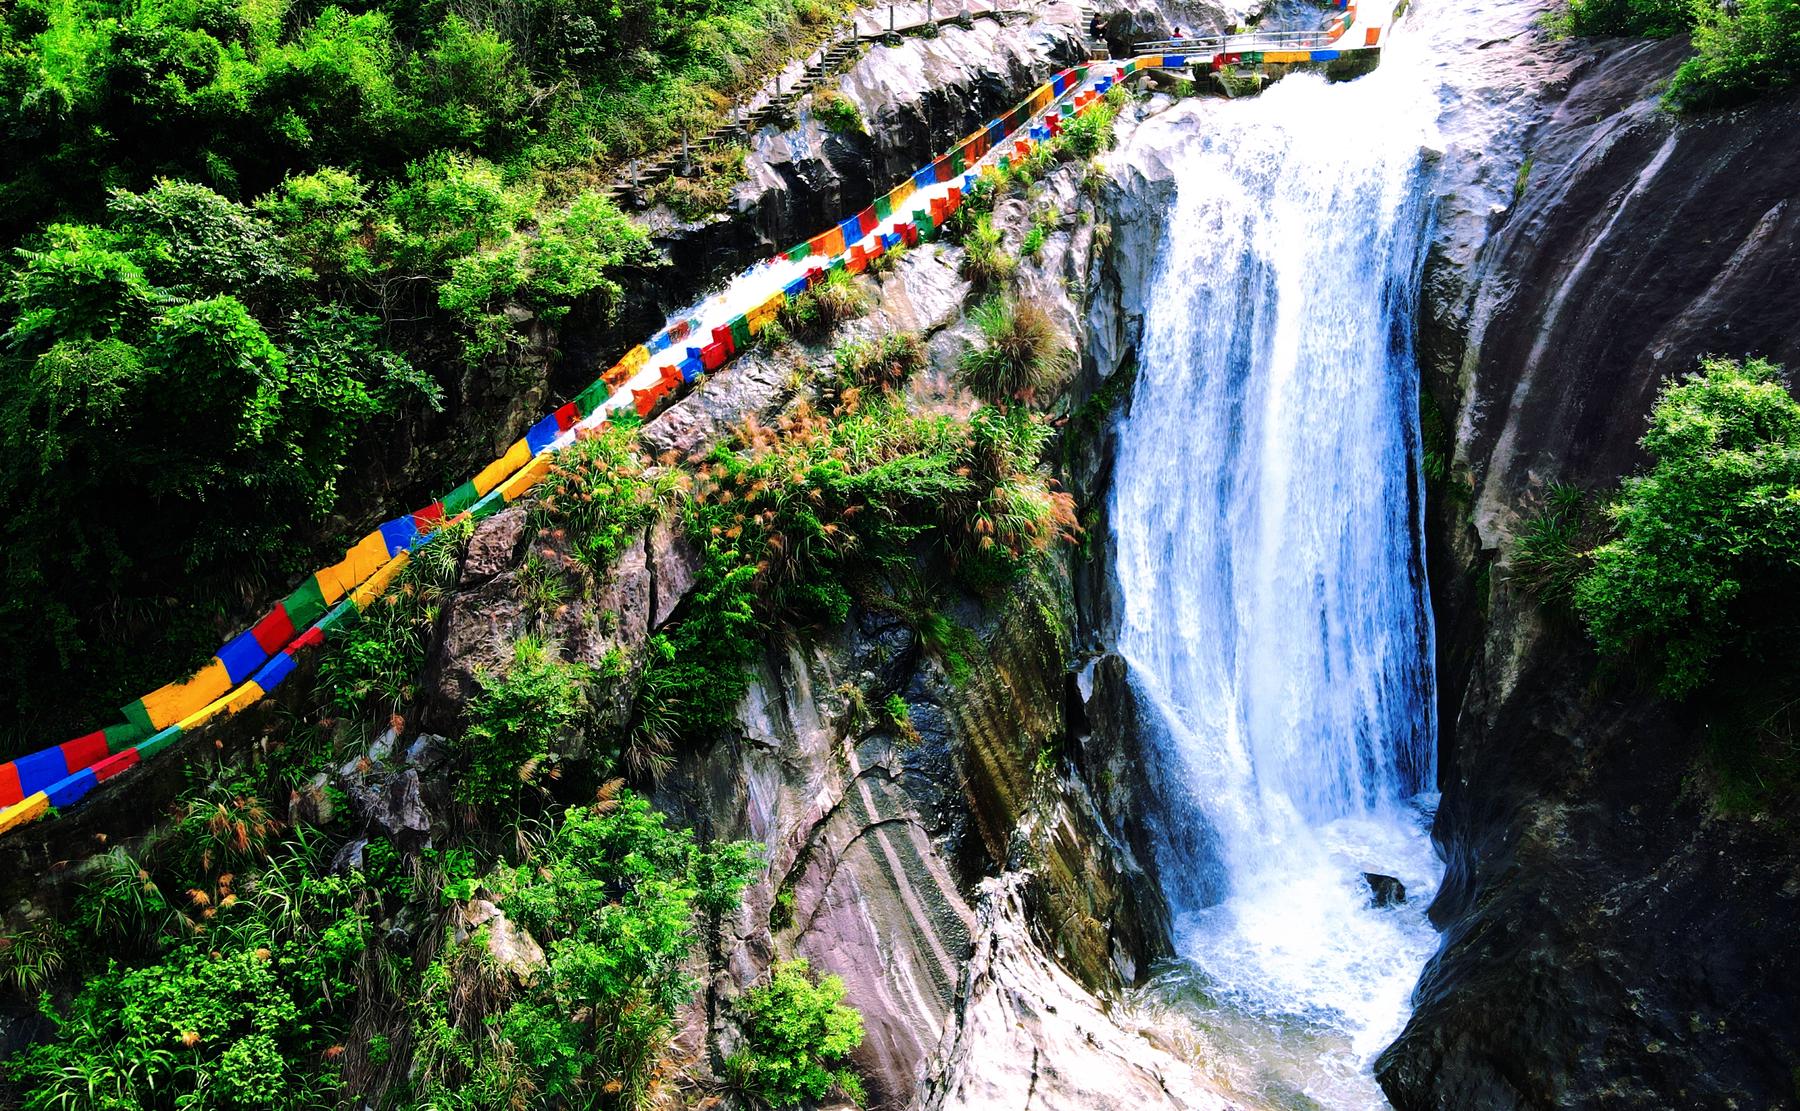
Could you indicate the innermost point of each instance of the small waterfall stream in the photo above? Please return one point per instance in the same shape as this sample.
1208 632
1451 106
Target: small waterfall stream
1269 562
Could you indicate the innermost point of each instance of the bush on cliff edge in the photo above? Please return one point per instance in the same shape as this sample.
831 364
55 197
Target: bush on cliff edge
1702 569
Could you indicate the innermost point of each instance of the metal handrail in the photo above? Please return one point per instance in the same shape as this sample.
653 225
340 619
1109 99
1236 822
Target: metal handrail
1238 44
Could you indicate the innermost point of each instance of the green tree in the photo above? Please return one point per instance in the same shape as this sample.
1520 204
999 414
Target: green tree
798 1037
1708 539
1740 50
618 900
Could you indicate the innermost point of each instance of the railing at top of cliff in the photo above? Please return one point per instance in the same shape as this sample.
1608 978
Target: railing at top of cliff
648 376
1206 48
1322 45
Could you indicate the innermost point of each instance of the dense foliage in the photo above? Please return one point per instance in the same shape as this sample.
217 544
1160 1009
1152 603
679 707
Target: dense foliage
618 901
1708 540
219 970
1741 48
222 965
798 1037
239 95
247 243
597 497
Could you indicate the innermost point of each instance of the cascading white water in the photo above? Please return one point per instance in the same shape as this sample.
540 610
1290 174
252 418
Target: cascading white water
1265 522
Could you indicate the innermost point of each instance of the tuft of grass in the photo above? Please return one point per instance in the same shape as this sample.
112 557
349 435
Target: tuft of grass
884 363
837 112
1520 182
31 957
1552 551
816 313
716 174
1021 354
888 260
986 263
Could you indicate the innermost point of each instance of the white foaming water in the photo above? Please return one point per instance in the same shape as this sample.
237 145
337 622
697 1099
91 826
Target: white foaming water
1265 521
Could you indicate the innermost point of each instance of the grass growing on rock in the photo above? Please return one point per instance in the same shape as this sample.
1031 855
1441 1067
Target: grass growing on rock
1021 354
986 262
882 364
597 497
838 112
816 313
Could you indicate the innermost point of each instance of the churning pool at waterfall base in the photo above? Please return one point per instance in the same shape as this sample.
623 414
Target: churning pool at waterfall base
1274 613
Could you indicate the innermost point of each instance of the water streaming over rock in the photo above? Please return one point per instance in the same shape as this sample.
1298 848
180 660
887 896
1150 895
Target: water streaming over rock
1268 556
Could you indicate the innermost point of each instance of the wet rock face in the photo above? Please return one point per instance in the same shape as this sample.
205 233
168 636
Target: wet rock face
1608 934
1636 241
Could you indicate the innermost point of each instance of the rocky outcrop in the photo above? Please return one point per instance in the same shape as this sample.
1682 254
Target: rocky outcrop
1028 1036
1589 246
917 96
878 834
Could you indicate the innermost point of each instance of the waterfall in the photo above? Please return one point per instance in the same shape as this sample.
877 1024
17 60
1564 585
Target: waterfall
1274 614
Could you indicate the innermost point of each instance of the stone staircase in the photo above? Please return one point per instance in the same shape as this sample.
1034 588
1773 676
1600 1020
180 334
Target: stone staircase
774 104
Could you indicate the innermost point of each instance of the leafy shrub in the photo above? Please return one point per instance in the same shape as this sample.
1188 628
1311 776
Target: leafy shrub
883 364
816 313
1021 354
161 359
798 1038
838 112
618 901
1654 18
696 673
519 722
1091 132
1705 555
1741 49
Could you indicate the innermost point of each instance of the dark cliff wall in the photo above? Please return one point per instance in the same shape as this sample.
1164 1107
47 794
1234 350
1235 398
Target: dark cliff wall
1611 936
